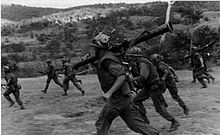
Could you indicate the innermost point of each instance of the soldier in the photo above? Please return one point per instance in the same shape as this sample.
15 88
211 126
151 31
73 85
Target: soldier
206 68
199 67
153 87
167 76
12 87
51 75
70 75
111 75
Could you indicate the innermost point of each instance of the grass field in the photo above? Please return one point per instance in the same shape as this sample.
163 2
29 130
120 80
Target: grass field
53 114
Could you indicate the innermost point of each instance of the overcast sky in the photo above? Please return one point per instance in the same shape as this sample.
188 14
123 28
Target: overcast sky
68 3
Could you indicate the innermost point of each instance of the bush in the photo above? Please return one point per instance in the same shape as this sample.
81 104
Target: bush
20 47
15 57
204 35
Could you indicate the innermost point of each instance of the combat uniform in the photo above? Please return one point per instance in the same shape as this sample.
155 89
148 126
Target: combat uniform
153 88
164 72
13 87
199 70
205 72
51 75
120 103
70 76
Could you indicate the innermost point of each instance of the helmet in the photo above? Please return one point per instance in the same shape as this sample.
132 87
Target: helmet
101 41
48 61
135 52
6 69
156 57
64 60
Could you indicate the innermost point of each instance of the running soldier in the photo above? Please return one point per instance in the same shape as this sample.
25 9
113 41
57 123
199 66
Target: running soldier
51 75
111 75
12 86
199 67
167 76
152 87
70 75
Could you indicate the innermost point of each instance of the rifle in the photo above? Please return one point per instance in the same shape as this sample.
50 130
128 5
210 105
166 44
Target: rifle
200 49
42 72
121 48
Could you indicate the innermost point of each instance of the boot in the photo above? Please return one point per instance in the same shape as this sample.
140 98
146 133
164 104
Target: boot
186 110
79 81
83 92
174 125
44 91
64 94
204 86
21 106
12 103
194 81
207 78
213 79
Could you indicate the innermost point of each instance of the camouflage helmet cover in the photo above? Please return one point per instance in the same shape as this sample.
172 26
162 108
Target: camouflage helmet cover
101 41
156 57
6 69
48 61
64 60
135 51
107 37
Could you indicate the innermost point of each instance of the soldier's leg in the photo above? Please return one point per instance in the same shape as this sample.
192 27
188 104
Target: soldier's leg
7 96
209 75
139 99
199 76
160 108
135 121
202 82
194 76
47 85
78 86
56 80
174 94
107 115
65 85
17 98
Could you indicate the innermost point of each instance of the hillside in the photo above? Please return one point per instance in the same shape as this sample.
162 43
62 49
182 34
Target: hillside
58 33
18 12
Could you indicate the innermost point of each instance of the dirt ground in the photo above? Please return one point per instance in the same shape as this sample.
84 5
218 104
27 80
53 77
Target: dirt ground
53 114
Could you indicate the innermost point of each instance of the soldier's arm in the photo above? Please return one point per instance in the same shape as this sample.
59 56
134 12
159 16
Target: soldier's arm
144 73
119 72
165 72
8 80
199 57
172 70
201 61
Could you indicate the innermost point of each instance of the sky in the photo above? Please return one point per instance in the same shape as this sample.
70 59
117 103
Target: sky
68 3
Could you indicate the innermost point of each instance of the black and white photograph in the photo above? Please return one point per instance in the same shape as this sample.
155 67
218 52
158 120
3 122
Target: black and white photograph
110 67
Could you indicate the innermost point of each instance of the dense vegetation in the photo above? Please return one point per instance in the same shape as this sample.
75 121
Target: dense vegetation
72 39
